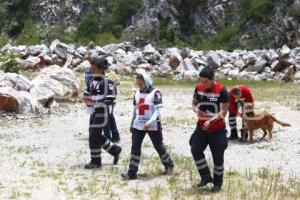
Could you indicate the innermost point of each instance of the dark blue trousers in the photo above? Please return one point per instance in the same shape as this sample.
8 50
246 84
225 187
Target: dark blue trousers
217 143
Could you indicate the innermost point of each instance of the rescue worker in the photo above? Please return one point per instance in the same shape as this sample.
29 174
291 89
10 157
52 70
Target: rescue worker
110 130
210 102
146 119
98 96
238 96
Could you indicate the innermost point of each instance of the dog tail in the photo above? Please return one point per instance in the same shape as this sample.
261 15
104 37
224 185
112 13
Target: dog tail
280 122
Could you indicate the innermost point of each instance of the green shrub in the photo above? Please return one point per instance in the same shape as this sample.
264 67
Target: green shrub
87 29
105 38
3 40
226 39
9 63
29 34
259 10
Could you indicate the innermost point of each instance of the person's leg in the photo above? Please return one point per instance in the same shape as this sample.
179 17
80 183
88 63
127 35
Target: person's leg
107 130
233 126
198 143
218 143
114 129
157 141
137 140
98 122
94 144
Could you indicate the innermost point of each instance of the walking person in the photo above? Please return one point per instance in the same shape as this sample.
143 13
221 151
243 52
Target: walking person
210 102
146 120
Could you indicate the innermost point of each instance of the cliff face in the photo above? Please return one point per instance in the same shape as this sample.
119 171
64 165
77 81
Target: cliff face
200 23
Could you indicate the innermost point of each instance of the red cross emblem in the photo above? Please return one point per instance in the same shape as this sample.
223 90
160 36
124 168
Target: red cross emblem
142 106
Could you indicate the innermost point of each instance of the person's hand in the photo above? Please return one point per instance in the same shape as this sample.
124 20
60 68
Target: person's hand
146 127
89 101
130 129
206 125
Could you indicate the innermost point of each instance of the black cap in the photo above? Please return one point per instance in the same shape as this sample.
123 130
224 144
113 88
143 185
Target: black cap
100 62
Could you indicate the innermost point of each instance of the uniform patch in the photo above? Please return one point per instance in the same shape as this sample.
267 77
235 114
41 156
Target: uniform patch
213 99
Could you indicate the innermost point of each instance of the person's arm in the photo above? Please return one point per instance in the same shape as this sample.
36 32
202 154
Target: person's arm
195 102
157 107
133 116
155 115
224 104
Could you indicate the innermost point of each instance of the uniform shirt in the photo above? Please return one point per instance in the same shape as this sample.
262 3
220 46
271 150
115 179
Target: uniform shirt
157 96
246 97
145 103
209 105
101 90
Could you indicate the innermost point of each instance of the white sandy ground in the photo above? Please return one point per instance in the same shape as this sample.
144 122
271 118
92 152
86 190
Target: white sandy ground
43 158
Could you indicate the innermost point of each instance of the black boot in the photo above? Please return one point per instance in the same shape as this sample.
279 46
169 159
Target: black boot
128 176
233 135
93 164
117 154
216 188
205 180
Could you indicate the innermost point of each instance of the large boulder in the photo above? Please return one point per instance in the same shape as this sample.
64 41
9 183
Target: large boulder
44 89
17 101
15 81
65 76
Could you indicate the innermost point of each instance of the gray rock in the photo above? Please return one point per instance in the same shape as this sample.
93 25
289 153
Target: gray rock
15 81
213 61
284 51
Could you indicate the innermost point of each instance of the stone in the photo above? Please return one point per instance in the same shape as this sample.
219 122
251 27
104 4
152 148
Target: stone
284 51
233 73
61 49
82 67
65 76
15 81
260 65
44 89
17 101
31 63
240 64
36 50
213 61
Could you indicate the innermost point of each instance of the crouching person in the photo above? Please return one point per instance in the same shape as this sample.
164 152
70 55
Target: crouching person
210 102
98 96
146 119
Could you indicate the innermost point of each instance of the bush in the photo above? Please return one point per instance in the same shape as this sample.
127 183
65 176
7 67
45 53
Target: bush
9 63
105 38
226 39
259 10
29 34
87 29
3 40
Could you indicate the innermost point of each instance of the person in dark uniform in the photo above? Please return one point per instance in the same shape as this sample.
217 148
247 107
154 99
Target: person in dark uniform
210 102
110 130
238 96
99 95
146 119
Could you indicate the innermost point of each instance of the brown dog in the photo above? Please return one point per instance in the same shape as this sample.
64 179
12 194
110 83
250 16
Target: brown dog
264 121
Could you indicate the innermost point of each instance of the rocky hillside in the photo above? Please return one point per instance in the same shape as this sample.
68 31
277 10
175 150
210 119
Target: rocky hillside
201 24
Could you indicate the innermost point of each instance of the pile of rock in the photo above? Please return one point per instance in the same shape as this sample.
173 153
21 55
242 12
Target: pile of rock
274 64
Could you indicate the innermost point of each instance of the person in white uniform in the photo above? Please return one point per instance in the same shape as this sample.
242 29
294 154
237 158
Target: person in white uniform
147 103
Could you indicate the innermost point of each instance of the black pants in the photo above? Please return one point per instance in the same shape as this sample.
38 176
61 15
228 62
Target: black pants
232 118
111 130
96 139
157 141
217 143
